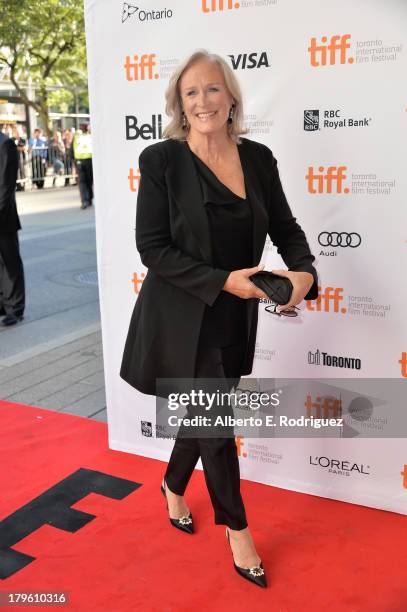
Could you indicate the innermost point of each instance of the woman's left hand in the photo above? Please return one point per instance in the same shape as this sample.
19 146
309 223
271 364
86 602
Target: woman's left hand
302 283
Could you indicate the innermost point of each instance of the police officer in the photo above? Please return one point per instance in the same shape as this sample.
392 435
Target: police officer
82 149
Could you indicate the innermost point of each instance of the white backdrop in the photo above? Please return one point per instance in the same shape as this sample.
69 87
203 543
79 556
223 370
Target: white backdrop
324 87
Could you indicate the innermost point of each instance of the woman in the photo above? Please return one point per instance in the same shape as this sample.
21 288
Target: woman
206 201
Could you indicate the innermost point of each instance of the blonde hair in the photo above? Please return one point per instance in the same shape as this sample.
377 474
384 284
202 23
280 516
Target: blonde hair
173 106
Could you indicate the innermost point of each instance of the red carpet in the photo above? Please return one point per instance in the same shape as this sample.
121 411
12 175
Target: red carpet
319 554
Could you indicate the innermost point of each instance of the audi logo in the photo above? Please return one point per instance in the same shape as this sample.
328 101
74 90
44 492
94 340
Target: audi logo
339 239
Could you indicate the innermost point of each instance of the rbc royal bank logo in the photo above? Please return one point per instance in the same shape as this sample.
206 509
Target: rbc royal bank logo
311 120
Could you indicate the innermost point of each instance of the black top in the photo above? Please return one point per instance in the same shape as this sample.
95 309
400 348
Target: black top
231 228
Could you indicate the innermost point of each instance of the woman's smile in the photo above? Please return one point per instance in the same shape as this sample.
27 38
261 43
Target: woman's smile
206 116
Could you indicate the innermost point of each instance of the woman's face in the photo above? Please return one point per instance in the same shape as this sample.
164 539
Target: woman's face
205 98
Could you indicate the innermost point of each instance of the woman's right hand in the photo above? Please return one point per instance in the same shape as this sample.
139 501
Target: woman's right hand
238 283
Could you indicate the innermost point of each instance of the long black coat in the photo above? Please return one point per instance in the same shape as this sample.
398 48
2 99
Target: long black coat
9 220
173 238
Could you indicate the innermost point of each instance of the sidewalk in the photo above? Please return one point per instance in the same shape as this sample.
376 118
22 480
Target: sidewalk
68 379
53 358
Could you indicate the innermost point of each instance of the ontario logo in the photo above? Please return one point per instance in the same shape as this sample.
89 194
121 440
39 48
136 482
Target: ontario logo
131 10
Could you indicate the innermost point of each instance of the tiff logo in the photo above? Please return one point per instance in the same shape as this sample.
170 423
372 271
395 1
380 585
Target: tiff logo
239 445
324 181
327 53
138 281
323 407
140 67
403 364
404 474
210 6
54 507
134 179
332 296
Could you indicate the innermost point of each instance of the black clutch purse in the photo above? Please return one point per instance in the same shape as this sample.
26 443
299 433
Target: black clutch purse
278 288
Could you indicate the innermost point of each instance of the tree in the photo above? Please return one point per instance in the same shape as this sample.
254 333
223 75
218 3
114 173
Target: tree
44 42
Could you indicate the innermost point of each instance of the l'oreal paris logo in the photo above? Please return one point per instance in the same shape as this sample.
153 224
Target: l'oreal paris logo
339 465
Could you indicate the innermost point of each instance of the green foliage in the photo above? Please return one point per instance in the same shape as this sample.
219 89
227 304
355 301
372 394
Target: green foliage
43 41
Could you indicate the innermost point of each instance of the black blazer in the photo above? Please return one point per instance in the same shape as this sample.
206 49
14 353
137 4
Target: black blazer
172 236
9 220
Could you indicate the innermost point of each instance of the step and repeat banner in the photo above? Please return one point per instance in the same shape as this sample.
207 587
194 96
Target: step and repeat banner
324 87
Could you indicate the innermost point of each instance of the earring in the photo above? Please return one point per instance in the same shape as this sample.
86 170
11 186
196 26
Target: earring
184 121
231 113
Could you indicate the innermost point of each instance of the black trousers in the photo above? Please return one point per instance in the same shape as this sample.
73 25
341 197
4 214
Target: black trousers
85 170
218 455
12 287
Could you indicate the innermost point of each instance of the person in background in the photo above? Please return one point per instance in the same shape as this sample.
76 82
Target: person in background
68 160
57 154
38 148
12 287
82 150
21 144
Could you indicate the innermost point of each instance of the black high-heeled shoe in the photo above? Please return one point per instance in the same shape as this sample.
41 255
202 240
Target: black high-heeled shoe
254 574
184 523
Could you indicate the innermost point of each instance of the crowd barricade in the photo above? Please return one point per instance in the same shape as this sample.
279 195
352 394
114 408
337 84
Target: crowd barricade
45 167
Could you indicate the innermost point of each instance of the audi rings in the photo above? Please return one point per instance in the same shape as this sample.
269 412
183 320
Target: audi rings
339 239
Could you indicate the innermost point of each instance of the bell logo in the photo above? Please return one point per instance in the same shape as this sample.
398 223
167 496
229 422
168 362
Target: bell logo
319 53
137 281
140 68
210 6
403 364
323 182
331 295
404 474
146 131
239 445
323 407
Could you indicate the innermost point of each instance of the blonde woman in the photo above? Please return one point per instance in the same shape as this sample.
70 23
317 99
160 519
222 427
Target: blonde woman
206 201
